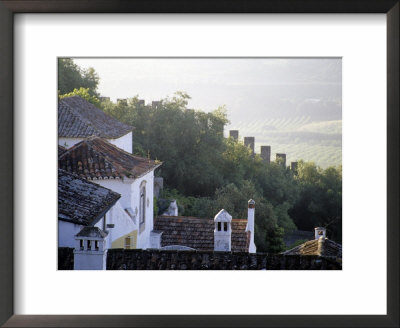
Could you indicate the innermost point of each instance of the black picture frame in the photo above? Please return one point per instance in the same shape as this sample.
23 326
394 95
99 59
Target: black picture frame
7 10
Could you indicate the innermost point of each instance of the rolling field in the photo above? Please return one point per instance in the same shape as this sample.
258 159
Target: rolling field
298 137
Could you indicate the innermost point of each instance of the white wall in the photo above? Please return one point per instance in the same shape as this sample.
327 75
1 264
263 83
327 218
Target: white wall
67 232
124 142
123 223
123 187
130 197
144 236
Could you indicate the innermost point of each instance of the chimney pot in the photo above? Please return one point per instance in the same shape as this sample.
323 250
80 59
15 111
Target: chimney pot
222 231
320 232
250 224
251 203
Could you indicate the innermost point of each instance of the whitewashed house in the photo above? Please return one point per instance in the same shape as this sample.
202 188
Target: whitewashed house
82 203
79 119
131 176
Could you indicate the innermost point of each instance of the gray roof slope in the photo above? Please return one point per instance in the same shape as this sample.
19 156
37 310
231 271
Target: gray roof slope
81 201
93 232
77 118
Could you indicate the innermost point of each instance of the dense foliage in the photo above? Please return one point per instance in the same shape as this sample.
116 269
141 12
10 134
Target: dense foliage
71 76
83 93
205 172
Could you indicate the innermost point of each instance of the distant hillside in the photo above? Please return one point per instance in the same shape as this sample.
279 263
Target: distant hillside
298 137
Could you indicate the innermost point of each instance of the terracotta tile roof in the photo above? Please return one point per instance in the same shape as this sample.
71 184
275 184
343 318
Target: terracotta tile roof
81 201
315 247
198 233
78 118
96 158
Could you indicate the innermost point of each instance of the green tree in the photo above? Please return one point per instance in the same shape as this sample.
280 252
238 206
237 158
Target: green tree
320 201
205 172
83 93
71 76
189 142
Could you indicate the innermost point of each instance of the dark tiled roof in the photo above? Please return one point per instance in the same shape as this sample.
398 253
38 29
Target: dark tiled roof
96 158
93 232
81 201
315 247
78 118
198 233
61 150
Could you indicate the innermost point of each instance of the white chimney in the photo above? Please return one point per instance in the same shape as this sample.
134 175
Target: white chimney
320 232
90 251
222 231
250 224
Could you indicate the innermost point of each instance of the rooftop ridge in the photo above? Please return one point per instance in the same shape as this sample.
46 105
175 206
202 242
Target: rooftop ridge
193 218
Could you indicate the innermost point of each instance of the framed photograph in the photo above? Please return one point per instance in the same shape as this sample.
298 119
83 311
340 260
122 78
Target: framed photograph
342 58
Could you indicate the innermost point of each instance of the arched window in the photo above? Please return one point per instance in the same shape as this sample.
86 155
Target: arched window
142 204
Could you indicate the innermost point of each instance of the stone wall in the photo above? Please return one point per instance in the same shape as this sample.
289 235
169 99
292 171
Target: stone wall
65 258
136 259
152 259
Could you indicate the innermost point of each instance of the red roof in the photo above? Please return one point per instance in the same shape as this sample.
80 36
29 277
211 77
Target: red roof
96 158
198 233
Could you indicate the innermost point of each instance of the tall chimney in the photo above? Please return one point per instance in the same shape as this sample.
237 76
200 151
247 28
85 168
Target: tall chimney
250 224
234 134
249 142
281 157
293 166
222 231
320 232
266 154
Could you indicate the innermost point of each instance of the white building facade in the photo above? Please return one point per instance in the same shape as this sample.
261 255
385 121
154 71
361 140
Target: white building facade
137 200
124 142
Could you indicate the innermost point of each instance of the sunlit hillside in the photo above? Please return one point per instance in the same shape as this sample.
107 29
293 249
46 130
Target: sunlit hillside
298 137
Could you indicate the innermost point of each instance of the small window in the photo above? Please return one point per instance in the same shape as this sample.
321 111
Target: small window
96 245
81 244
225 226
219 226
320 232
142 205
89 244
128 242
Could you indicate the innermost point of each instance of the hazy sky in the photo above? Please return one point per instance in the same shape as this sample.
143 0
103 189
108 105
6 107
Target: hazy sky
205 79
295 105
